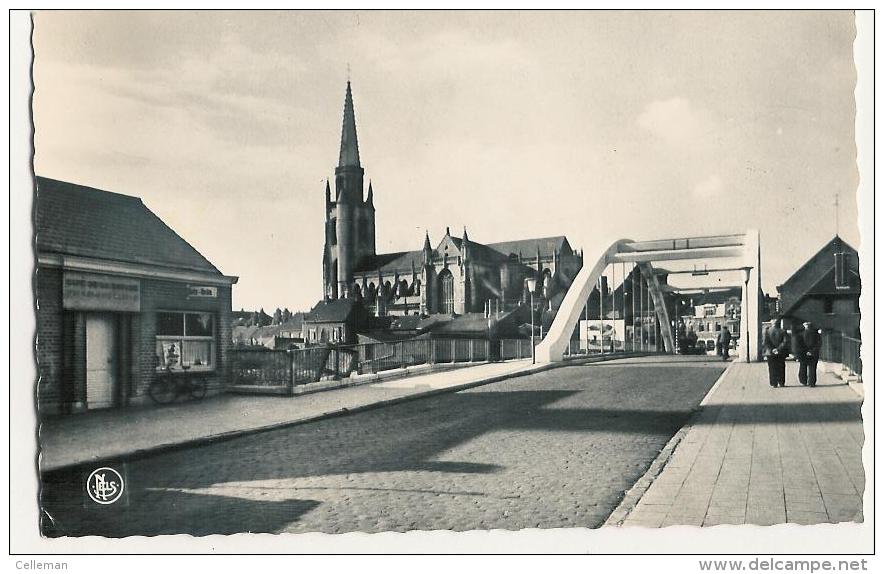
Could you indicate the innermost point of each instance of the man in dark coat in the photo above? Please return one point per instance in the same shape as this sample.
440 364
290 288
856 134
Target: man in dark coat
797 341
809 349
776 347
724 338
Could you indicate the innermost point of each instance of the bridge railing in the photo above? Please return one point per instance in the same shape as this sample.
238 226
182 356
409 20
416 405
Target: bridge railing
839 348
281 371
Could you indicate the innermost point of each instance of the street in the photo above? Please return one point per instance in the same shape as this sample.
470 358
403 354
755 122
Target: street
548 450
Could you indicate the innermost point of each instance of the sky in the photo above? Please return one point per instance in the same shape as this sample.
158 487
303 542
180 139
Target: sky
593 125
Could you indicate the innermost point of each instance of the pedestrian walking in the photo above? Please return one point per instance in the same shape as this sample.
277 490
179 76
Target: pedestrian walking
776 345
811 342
725 338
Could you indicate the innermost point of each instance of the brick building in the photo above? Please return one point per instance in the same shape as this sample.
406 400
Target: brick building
120 296
457 276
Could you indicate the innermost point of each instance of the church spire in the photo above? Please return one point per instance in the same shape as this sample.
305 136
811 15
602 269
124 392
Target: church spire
349 145
370 199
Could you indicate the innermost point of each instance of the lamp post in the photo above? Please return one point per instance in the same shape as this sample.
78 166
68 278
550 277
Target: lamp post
531 283
744 312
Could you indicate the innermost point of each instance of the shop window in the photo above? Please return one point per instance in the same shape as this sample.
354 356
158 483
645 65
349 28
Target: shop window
185 339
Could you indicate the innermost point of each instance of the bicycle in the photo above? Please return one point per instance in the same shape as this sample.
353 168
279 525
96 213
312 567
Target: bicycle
168 385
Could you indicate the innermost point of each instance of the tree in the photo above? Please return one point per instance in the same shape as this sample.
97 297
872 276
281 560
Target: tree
286 315
277 316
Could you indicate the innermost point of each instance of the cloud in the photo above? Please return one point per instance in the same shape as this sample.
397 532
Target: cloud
708 188
676 121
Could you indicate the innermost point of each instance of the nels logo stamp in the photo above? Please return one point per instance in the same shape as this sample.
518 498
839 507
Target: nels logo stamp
105 485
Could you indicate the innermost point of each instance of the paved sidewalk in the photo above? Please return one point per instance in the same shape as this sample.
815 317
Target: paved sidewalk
73 439
759 455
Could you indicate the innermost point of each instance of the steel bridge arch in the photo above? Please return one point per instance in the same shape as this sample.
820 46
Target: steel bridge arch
745 247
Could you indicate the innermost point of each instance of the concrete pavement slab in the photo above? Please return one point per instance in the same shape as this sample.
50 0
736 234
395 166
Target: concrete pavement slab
754 454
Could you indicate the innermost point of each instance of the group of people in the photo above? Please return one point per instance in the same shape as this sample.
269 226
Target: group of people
689 340
803 343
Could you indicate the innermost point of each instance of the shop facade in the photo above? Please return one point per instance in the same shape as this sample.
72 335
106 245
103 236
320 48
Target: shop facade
120 300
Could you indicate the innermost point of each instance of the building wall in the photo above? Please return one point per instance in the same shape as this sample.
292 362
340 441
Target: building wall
61 341
50 334
844 317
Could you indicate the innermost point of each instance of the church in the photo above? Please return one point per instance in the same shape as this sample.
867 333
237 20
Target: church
457 276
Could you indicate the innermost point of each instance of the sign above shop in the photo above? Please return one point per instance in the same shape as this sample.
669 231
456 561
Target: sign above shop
203 291
93 292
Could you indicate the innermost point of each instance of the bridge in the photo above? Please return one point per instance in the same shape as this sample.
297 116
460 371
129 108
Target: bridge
735 253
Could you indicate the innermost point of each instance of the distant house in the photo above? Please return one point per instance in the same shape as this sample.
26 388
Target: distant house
120 297
825 290
334 321
283 336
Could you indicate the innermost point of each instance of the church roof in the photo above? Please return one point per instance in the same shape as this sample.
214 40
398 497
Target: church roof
349 145
493 252
528 247
391 262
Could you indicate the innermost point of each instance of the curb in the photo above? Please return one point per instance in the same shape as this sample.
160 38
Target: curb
633 496
230 435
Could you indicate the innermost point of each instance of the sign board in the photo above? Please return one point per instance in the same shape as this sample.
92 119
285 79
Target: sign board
202 291
93 292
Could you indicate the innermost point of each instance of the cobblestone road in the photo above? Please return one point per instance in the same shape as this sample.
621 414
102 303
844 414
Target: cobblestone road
554 449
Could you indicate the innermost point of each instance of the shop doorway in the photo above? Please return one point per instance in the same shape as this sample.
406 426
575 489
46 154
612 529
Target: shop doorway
101 368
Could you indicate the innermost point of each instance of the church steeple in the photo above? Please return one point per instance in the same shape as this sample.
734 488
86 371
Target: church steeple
349 218
349 145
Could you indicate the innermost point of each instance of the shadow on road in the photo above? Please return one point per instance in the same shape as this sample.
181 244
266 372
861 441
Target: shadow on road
618 410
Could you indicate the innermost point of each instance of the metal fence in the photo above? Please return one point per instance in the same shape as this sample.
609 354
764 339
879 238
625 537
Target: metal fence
283 370
850 357
260 367
288 368
510 349
838 348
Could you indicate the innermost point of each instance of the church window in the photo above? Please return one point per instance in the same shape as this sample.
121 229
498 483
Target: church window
446 292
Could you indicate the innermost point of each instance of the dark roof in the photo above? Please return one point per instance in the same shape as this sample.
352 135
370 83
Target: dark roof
528 247
493 252
332 311
469 324
406 322
78 220
809 278
717 297
401 260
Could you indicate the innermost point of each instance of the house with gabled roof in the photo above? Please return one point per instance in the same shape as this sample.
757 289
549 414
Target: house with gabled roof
825 290
120 299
